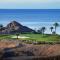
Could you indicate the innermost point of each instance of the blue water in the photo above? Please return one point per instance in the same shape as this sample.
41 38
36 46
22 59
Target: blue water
29 10
39 15
33 18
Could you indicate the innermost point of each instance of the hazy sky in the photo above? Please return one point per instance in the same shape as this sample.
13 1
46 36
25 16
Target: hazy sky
29 4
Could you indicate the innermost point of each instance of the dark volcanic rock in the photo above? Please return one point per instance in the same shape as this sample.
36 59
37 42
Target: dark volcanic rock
15 27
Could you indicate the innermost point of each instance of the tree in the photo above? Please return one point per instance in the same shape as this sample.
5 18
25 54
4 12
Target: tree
53 32
17 34
43 30
56 25
39 31
1 27
51 28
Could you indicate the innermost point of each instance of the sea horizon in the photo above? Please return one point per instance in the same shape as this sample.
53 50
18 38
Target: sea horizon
32 18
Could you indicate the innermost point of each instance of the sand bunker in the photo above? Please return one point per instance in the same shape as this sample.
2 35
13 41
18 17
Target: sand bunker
20 37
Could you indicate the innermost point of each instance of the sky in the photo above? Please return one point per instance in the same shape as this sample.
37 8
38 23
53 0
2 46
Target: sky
29 4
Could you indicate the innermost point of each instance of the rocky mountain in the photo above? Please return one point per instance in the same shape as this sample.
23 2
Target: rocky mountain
15 27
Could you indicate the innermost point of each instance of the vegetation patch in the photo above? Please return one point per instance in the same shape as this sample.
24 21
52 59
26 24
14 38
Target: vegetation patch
35 38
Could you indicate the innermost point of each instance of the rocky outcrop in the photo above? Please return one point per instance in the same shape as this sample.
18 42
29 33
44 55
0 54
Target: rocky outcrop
15 27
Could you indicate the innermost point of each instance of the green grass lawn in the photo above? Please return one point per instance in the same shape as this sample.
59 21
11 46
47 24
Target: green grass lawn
35 37
40 37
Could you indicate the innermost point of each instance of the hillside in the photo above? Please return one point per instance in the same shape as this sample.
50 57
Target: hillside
28 51
15 27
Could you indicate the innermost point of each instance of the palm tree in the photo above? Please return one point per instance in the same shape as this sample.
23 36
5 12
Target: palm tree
1 27
43 30
56 25
51 28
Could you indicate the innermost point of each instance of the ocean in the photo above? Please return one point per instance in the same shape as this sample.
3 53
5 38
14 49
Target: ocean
33 18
